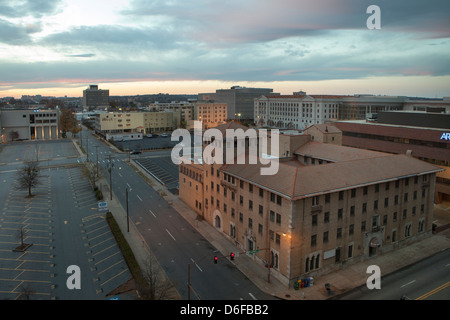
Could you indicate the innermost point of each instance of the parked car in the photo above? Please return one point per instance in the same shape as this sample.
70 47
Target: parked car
164 135
149 135
136 152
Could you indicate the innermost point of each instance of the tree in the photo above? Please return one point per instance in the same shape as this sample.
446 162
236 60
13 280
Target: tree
28 177
14 135
67 121
157 284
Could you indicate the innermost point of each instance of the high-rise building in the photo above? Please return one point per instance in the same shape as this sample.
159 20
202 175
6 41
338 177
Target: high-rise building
93 97
240 100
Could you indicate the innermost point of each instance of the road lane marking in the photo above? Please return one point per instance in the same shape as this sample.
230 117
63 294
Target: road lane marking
139 197
171 235
408 283
152 213
196 265
253 297
426 295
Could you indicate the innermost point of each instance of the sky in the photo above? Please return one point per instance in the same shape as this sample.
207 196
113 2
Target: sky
60 47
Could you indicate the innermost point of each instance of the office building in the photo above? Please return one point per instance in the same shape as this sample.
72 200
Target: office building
301 110
239 100
93 98
143 122
29 124
427 144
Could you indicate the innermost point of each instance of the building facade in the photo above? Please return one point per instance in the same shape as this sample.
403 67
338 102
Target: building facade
426 144
93 97
300 110
327 206
143 122
211 114
239 100
29 124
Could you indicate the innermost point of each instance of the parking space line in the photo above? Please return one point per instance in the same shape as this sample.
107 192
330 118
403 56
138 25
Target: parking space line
103 250
107 257
93 246
111 266
114 277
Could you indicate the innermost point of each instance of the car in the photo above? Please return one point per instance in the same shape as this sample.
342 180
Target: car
155 135
149 135
164 135
136 152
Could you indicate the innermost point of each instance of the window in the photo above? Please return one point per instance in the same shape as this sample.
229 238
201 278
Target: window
272 216
364 207
339 233
260 228
340 211
326 217
314 220
272 197
351 229
341 195
375 204
250 204
313 240
315 201
261 192
363 226
261 209
350 251
278 218
241 217
250 188
352 211
250 223
279 200
241 200
325 237
327 198
386 202
364 190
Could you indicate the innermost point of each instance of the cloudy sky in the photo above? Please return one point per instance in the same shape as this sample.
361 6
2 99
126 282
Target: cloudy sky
59 47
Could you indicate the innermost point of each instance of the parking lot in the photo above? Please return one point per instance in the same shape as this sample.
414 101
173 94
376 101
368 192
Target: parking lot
161 168
64 227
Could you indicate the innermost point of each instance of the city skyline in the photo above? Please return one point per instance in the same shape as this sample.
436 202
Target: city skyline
59 48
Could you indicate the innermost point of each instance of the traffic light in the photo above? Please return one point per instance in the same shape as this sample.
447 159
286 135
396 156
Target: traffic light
232 256
215 259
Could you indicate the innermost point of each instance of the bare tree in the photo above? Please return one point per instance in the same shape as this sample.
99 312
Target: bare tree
28 177
21 234
25 293
158 285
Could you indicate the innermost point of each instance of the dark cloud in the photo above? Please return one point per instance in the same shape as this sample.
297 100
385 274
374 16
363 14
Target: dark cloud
114 35
83 55
34 8
236 21
13 34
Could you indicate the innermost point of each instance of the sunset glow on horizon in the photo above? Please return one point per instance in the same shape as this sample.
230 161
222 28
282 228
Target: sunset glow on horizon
136 47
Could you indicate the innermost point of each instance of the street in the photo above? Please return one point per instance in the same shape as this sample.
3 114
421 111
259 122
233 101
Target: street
173 240
428 279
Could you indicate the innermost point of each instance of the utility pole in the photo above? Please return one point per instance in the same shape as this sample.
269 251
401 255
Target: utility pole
189 281
96 149
110 177
87 148
128 217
